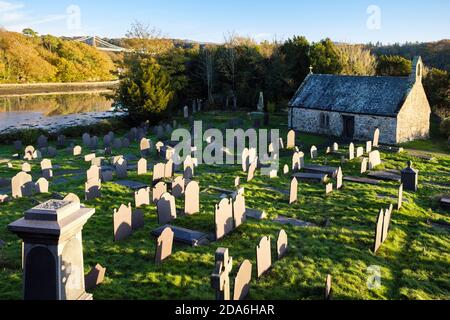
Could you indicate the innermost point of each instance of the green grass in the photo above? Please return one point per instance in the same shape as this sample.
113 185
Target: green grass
415 259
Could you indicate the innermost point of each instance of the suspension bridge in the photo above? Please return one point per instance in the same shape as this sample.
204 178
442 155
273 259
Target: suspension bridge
101 44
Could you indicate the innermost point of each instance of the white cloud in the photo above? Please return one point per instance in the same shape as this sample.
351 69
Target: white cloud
9 6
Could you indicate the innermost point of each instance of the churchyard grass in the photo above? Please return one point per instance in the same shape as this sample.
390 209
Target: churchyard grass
415 259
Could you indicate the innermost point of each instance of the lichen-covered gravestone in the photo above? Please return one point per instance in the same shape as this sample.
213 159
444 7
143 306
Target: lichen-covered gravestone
263 256
122 220
166 209
164 244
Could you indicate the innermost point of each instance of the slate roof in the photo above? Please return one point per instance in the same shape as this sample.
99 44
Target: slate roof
382 96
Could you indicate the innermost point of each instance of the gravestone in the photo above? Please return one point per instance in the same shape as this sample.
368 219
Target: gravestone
142 167
125 143
168 169
166 208
263 256
186 112
122 220
245 158
93 189
76 151
359 152
281 144
374 159
298 161
93 173
42 142
29 151
379 232
335 147
94 143
328 188
121 168
95 277
313 152
410 178
237 182
339 179
3 198
137 219
107 176
51 152
220 278
328 289
188 168
293 194
71 197
158 190
145 147
164 244
86 138
89 157
178 185
368 147
286 169
26 167
18 145
239 210
192 198
41 186
53 251
61 141
290 140
351 151
282 244
252 170
376 138
400 197
386 223
142 197
364 165
224 218
159 171
22 185
242 281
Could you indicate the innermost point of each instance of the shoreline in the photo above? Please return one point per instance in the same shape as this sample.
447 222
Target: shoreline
37 89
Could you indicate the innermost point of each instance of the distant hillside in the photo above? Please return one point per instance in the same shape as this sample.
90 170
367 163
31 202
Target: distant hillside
434 54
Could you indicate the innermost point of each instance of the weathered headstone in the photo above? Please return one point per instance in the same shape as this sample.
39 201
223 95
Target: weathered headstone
164 244
41 186
263 256
137 219
374 159
298 161
166 208
368 147
42 142
159 171
359 152
290 140
158 190
376 138
192 198
22 185
313 152
145 147
328 188
379 232
71 197
178 186
339 179
121 168
224 218
410 178
293 194
239 210
351 151
364 165
76 151
142 166
252 170
93 189
282 244
400 197
86 138
142 197
122 220
188 168
242 281
220 278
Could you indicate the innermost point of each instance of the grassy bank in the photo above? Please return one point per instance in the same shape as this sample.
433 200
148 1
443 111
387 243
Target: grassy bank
414 261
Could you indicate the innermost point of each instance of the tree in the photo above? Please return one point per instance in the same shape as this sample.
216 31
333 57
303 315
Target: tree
325 58
146 40
356 60
395 66
295 56
437 87
28 32
145 91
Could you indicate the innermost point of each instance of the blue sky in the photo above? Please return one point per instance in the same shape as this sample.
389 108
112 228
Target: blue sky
208 20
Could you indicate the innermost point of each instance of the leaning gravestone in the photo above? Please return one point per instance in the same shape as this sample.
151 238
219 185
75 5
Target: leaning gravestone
164 245
328 288
242 281
263 256
239 210
142 197
313 152
142 167
293 194
166 208
95 277
252 170
282 244
400 197
192 198
122 220
379 232
224 218
41 186
158 190
178 186
374 159
339 179
290 140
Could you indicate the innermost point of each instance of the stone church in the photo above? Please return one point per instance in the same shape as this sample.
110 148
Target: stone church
352 107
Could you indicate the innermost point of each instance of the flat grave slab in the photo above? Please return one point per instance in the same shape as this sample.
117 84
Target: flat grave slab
421 156
312 168
190 237
390 149
314 177
293 222
133 185
384 175
283 192
362 180
69 172
255 214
